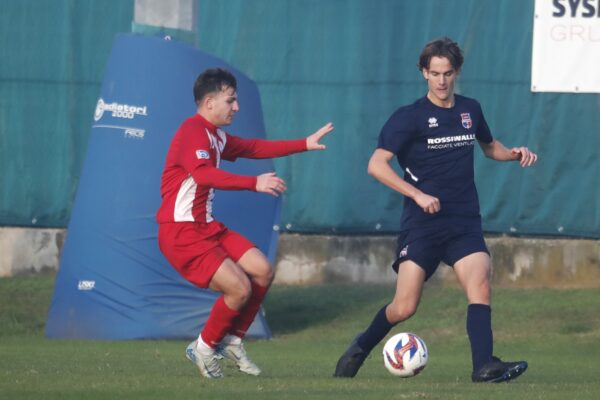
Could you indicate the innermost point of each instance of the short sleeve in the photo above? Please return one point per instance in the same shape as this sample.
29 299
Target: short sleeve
397 132
483 133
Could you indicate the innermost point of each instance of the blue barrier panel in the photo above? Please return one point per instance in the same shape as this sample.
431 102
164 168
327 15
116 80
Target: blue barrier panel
113 282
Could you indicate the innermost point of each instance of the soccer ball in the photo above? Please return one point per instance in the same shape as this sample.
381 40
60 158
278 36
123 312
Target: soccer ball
405 355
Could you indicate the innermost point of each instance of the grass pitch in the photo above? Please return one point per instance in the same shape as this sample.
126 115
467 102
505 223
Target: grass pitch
556 331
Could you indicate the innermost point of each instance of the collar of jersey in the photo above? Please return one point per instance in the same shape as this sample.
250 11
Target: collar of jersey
211 127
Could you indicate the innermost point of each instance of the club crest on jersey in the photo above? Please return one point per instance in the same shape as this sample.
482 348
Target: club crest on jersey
202 155
466 120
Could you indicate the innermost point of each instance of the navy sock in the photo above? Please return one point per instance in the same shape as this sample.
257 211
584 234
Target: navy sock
380 326
479 329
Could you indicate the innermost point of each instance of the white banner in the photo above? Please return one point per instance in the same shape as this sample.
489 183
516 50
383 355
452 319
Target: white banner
566 46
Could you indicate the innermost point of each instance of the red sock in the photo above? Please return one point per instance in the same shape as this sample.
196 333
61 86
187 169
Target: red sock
243 322
219 322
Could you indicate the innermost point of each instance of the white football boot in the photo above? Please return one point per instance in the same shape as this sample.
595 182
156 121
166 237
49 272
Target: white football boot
232 348
206 361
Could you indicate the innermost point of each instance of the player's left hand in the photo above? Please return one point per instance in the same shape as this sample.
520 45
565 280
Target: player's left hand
525 156
270 183
312 142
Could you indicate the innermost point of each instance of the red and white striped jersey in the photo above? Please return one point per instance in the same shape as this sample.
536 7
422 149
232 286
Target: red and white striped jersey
190 176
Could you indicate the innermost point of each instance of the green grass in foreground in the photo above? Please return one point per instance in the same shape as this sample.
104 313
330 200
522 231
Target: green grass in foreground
557 331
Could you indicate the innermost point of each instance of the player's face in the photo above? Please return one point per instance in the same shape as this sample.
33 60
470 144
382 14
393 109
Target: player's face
441 77
222 106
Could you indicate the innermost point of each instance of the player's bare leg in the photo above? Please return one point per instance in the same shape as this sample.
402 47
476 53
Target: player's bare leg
230 280
257 267
473 272
409 286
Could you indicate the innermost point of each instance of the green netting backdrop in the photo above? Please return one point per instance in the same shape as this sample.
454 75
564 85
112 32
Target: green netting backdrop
52 59
352 62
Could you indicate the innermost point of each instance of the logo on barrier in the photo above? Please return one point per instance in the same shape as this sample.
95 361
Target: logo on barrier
128 132
86 285
134 133
118 110
99 110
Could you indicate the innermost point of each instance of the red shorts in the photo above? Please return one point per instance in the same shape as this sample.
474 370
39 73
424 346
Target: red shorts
197 251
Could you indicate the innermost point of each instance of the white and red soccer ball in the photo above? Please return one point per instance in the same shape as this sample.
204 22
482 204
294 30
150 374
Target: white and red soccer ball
405 355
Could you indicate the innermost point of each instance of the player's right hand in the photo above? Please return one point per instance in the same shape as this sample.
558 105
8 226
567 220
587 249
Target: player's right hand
525 156
428 203
270 183
312 142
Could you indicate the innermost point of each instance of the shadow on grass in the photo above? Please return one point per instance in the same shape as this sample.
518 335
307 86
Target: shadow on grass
293 308
24 303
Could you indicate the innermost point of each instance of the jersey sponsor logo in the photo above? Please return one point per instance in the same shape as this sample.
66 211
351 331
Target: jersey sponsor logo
202 155
433 123
118 110
466 120
448 142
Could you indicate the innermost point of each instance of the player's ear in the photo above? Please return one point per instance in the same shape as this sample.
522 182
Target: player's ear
208 102
425 73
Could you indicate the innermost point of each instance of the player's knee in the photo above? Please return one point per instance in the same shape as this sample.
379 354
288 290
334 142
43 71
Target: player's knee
265 275
480 294
245 292
269 275
401 312
239 293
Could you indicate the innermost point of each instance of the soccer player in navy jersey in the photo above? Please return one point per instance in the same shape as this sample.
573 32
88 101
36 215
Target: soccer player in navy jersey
433 140
200 248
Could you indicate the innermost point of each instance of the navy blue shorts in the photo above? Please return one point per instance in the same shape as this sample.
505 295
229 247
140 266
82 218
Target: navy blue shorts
428 246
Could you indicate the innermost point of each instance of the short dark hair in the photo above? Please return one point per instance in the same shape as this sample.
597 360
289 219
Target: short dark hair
213 80
442 47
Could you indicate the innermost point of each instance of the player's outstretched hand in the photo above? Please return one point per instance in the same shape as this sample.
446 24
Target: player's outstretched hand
428 203
312 142
525 156
270 183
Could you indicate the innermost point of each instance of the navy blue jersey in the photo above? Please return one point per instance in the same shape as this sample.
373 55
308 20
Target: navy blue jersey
434 146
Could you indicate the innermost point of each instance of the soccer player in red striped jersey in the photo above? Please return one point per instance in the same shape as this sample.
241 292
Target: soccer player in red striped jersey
202 249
